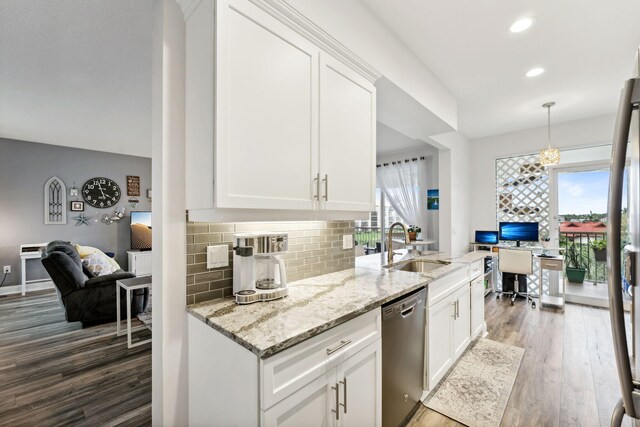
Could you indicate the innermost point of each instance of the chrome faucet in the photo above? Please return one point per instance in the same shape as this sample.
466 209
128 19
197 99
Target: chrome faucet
406 239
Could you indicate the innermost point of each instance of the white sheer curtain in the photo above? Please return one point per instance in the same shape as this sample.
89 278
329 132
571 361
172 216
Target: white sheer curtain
401 183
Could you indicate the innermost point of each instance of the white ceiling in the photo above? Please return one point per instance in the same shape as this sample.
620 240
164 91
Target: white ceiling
587 47
77 73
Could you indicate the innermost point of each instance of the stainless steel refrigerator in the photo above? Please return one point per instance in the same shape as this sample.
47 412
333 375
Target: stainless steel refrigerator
626 138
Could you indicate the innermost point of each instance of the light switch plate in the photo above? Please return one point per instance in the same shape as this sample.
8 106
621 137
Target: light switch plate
217 256
347 241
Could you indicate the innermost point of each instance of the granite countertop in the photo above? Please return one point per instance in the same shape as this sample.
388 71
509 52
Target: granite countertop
319 303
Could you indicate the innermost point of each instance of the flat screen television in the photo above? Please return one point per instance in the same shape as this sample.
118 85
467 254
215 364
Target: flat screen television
141 230
487 237
519 232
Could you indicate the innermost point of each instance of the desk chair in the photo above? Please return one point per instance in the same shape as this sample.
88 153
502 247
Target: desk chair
518 262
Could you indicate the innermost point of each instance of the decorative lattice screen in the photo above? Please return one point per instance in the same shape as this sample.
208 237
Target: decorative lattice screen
522 191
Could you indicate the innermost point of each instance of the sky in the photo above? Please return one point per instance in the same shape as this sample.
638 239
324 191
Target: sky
584 192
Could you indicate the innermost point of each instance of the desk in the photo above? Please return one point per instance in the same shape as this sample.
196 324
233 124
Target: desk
555 264
30 251
129 285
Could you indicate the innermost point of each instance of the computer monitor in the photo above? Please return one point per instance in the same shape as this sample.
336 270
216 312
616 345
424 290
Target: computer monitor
487 237
519 232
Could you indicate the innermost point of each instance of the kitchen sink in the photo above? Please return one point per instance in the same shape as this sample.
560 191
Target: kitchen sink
419 266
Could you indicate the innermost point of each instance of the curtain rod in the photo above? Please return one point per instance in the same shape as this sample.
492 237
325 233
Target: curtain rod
398 162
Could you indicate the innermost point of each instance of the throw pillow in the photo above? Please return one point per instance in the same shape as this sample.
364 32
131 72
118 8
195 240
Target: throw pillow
97 264
85 251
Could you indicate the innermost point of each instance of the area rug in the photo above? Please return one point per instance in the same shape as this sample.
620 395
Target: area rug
476 390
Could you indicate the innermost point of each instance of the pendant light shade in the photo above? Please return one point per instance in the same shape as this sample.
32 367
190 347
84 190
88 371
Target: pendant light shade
549 156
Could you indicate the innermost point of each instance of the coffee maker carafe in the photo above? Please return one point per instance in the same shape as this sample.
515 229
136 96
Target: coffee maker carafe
258 268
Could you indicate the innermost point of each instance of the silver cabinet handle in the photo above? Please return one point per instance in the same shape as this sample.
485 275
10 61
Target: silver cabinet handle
317 181
326 187
457 309
337 411
338 346
344 384
616 179
454 310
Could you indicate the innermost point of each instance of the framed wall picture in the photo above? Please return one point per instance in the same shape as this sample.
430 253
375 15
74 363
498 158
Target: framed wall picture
77 206
433 199
133 185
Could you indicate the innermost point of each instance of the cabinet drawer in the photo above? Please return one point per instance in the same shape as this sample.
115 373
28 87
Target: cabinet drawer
551 264
476 269
287 372
442 287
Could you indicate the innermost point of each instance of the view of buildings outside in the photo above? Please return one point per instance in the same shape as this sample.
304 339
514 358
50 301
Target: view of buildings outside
582 209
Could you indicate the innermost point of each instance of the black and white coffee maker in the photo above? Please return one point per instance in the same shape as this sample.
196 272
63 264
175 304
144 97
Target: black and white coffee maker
258 268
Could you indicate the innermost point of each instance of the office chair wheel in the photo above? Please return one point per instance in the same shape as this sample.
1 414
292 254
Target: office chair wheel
512 302
497 296
533 305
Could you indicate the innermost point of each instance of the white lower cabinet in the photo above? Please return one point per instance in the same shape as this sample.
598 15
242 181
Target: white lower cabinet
448 330
440 340
477 307
347 395
331 379
313 403
360 381
461 320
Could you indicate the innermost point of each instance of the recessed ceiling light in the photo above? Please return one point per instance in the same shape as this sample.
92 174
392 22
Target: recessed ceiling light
521 25
535 72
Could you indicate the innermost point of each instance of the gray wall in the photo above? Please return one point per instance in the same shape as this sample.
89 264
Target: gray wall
24 169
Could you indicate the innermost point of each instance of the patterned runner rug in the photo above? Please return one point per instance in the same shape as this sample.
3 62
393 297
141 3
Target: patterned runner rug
476 390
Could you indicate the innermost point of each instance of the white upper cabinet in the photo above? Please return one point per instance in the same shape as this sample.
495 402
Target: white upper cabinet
347 137
266 105
273 121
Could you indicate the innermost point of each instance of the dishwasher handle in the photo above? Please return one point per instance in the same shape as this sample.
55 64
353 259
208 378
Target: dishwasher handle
409 310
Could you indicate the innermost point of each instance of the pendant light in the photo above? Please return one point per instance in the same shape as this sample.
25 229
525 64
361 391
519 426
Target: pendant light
549 156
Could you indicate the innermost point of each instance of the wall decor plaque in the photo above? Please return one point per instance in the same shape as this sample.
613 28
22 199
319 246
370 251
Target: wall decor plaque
133 185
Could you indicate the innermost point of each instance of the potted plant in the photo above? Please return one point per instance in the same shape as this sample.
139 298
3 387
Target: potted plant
413 232
599 249
575 265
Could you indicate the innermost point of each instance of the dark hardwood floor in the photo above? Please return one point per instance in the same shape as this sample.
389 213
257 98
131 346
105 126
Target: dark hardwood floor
56 373
567 376
53 372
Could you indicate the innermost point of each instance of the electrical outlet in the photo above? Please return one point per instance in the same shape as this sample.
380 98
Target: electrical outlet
7 269
347 241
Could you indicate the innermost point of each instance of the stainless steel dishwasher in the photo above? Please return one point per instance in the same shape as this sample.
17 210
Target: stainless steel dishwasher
403 323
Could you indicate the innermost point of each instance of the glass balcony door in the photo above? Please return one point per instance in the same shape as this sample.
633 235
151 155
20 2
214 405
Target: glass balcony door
578 224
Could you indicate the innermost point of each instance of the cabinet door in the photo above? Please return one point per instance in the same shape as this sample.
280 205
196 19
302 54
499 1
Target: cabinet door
347 138
439 338
360 382
312 405
477 307
462 321
143 264
266 111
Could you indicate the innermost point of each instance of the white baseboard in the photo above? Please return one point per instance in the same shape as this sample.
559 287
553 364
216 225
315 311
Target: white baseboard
17 289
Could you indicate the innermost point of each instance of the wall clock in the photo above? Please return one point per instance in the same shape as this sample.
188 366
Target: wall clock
101 192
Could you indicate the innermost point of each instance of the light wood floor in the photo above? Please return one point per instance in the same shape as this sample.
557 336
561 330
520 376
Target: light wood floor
567 376
53 372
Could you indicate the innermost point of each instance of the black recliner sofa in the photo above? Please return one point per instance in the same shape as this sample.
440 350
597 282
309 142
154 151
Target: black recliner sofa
87 300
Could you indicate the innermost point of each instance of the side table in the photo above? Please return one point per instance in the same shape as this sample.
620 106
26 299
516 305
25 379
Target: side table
130 285
552 264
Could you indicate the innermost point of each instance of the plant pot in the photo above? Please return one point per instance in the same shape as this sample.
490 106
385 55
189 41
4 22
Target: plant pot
601 255
412 235
576 275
